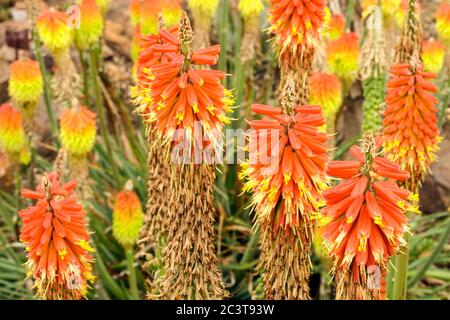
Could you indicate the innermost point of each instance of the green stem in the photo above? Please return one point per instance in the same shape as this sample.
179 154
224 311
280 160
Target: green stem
132 274
101 111
85 70
107 279
401 274
223 30
442 241
48 104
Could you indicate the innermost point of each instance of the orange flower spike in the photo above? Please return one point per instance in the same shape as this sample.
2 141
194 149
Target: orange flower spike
78 130
56 238
284 170
180 93
296 23
443 22
433 53
25 83
411 134
12 133
366 213
91 24
54 30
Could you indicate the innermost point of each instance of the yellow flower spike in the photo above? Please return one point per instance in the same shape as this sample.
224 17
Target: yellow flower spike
433 53
12 133
54 31
91 24
250 8
127 218
25 83
78 130
325 91
443 22
342 56
201 8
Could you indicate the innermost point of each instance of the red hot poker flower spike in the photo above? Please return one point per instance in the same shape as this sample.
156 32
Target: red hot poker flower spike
411 133
365 217
56 238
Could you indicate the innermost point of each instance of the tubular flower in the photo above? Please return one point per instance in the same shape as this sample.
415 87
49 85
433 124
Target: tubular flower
147 59
12 133
336 26
342 56
56 238
286 166
127 218
54 30
250 9
410 131
25 83
433 53
78 130
443 22
150 10
296 24
182 94
325 91
91 24
365 218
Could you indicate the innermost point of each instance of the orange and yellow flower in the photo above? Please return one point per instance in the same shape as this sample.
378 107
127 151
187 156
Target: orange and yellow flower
78 130
433 53
135 9
335 27
57 240
54 30
12 133
181 93
286 167
342 56
443 22
364 217
325 91
25 82
91 24
296 24
411 133
150 10
127 218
